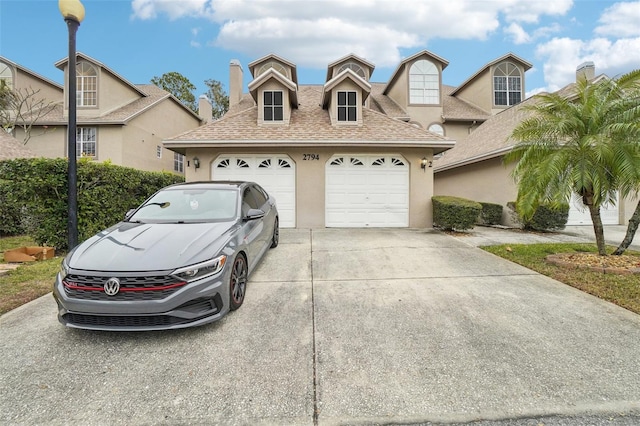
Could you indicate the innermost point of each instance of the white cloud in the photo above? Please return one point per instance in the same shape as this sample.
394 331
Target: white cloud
517 34
313 33
620 20
563 55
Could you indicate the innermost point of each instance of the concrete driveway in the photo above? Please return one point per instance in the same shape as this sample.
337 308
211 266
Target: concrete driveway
341 327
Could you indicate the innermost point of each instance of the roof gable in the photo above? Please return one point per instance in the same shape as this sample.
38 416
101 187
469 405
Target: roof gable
272 57
401 67
63 62
30 72
349 58
272 74
346 74
508 57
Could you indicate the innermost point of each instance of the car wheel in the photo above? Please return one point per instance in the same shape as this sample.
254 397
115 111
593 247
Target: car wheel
275 239
238 282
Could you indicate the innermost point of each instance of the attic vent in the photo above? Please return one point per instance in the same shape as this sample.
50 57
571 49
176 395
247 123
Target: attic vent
353 67
272 64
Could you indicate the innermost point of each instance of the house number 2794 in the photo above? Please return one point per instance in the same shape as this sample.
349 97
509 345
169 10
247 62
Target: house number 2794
307 157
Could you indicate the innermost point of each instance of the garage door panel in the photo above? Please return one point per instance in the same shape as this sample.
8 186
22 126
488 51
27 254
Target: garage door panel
367 191
276 174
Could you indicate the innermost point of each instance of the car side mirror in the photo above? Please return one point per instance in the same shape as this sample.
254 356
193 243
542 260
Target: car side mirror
129 213
254 214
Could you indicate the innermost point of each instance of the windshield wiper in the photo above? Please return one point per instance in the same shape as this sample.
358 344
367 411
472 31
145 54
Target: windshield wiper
163 205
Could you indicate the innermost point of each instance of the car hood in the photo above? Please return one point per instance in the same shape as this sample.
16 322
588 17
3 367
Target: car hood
150 246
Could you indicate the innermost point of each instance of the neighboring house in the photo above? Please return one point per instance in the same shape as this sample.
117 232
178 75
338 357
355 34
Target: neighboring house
347 152
11 148
117 121
474 169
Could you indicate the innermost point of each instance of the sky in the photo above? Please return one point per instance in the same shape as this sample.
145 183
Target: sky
140 39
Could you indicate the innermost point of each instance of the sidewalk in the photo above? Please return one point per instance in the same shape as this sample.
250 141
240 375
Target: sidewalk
488 236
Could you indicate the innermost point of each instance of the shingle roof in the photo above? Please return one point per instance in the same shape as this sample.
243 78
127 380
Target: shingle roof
455 109
121 115
309 124
490 140
11 148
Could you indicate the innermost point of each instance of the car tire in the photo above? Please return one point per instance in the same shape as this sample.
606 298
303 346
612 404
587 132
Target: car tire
238 282
275 238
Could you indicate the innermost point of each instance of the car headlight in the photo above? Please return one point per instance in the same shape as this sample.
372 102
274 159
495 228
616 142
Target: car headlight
201 270
64 268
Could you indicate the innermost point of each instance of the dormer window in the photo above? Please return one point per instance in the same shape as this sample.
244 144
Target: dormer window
86 85
273 105
424 83
353 67
507 85
347 106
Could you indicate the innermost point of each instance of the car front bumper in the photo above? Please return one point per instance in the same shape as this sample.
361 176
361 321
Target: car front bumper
196 303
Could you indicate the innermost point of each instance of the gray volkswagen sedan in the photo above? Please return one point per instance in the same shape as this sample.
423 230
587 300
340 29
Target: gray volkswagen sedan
181 259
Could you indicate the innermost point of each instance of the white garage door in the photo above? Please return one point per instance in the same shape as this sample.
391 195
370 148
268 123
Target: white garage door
275 173
579 213
367 191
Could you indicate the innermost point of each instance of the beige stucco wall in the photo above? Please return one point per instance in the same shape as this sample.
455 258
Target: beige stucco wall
458 130
112 94
141 136
50 142
486 181
310 178
479 92
45 90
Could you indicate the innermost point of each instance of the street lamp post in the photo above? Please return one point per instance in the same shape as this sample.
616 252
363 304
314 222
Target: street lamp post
73 13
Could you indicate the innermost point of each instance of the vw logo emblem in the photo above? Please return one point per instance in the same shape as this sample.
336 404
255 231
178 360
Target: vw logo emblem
112 286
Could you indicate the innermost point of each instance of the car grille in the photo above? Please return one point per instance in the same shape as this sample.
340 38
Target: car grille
198 308
89 287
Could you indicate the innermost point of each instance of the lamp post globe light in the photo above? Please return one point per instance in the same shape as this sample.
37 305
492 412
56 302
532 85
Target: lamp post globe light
73 13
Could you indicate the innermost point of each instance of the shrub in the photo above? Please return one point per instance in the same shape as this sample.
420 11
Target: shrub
37 189
545 218
491 214
451 213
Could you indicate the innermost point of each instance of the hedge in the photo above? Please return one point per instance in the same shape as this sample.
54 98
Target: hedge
33 193
454 213
491 213
545 218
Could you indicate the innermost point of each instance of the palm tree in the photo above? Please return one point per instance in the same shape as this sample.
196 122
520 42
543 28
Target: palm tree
586 144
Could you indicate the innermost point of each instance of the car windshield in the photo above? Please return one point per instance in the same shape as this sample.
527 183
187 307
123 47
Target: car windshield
188 205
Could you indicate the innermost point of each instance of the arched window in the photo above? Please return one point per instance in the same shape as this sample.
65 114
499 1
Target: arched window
86 84
437 128
507 85
353 67
424 83
272 64
6 76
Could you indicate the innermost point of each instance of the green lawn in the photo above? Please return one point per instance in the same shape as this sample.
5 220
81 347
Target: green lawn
29 281
623 290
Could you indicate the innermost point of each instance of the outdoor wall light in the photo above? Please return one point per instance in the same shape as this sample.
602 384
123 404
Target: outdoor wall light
196 162
424 162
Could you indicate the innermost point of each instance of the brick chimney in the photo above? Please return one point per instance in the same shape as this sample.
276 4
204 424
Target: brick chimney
235 82
586 70
205 110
